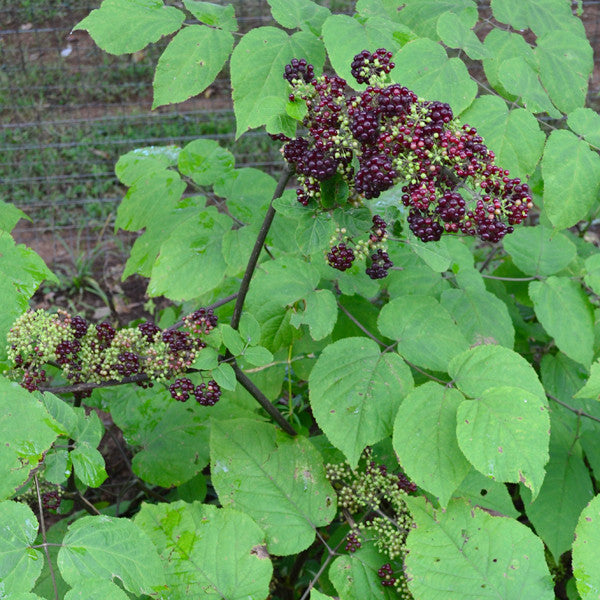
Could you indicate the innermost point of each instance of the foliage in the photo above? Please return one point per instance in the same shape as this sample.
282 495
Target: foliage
425 427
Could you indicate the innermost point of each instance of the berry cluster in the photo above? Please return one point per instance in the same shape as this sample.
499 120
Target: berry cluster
385 136
97 353
51 500
386 574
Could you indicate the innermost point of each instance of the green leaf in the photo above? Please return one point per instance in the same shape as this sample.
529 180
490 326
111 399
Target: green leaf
143 161
483 492
96 589
279 482
355 391
205 161
334 191
345 37
455 33
484 367
22 447
540 251
106 547
224 375
89 465
249 329
259 90
190 63
514 137
206 359
422 15
464 552
320 314
276 330
481 316
355 575
125 26
423 66
592 273
208 552
592 387
316 595
585 555
555 298
421 323
299 14
10 215
232 339
214 15
434 254
519 78
566 490
20 565
504 434
44 586
314 232
566 63
425 440
258 356
571 174
586 123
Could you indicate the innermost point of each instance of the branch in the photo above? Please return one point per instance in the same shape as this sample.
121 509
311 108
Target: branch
249 386
258 245
43 530
577 411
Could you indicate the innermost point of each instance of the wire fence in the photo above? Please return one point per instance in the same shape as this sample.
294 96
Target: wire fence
68 111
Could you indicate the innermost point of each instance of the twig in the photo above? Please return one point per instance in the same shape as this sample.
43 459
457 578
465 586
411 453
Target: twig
489 258
508 278
258 245
249 386
577 411
43 530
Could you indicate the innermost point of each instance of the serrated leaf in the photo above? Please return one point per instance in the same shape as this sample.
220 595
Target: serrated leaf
258 356
555 298
592 387
232 339
302 14
259 90
205 161
423 66
487 494
249 329
320 314
592 273
125 26
586 123
481 316
206 359
435 254
279 482
107 547
463 549
88 464
421 323
355 391
539 251
96 589
20 565
208 551
425 440
142 161
571 173
422 15
314 232
10 215
224 375
585 556
214 15
190 63
514 137
566 62
455 33
504 433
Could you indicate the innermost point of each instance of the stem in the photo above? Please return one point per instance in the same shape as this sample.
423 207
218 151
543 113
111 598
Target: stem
249 386
258 245
577 411
508 278
489 258
43 530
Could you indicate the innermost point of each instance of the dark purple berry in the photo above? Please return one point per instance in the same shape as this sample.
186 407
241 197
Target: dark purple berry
299 70
149 330
79 326
380 264
207 394
340 257
365 65
181 389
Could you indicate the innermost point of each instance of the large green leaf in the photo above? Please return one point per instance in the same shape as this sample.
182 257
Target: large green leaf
481 316
566 490
422 15
88 464
20 565
425 440
206 162
299 14
571 174
279 482
540 251
586 565
592 273
27 430
514 136
465 552
423 66
124 26
142 161
96 589
208 552
566 63
257 63
107 548
190 63
425 331
586 123
555 298
320 314
591 389
485 367
355 391
455 33
214 15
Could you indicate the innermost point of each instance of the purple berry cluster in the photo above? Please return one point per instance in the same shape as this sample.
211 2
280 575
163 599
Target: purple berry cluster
386 574
206 394
51 500
340 257
386 136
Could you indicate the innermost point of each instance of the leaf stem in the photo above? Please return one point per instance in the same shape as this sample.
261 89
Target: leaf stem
577 411
43 531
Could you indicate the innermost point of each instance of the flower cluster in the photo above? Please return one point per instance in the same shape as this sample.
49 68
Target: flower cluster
88 353
372 500
385 136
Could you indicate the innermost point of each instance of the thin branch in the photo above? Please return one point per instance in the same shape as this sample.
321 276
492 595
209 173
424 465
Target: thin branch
43 530
212 306
92 509
489 258
577 411
360 325
258 246
508 278
249 386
